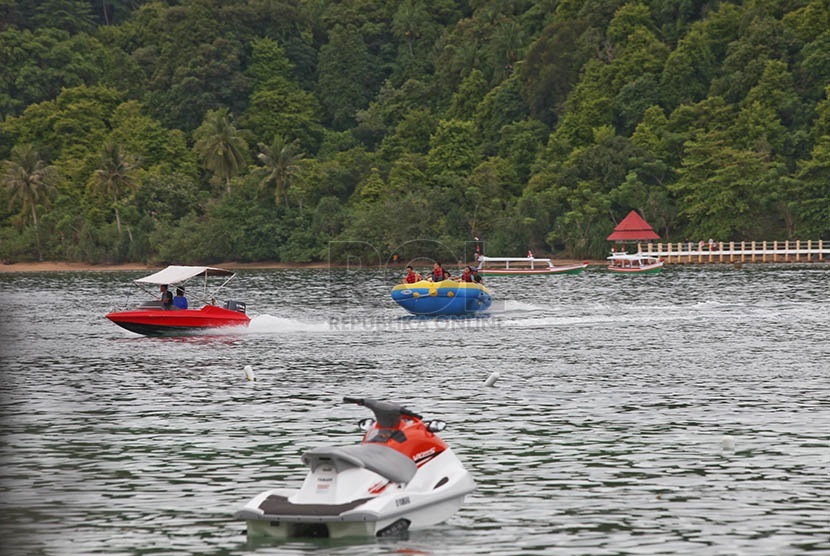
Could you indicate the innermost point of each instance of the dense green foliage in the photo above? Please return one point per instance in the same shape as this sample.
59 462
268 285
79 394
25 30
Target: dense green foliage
204 130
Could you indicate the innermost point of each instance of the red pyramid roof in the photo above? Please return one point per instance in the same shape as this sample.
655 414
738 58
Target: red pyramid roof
633 228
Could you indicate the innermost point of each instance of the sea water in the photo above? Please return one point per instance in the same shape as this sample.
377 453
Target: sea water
680 413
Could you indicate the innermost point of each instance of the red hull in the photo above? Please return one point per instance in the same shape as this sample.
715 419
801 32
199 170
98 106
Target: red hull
160 322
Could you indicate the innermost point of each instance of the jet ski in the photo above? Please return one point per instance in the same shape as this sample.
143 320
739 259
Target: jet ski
400 478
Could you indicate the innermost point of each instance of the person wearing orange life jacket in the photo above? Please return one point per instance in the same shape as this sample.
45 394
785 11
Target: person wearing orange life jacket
466 275
411 276
438 273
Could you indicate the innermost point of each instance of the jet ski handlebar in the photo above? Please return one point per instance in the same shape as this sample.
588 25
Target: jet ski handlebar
382 410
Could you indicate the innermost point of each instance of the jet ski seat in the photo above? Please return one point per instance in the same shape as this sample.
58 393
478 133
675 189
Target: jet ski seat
380 459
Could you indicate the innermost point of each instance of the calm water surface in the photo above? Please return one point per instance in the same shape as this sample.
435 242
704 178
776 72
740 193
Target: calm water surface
683 413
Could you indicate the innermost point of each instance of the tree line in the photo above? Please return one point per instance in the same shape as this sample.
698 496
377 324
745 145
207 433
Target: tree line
269 130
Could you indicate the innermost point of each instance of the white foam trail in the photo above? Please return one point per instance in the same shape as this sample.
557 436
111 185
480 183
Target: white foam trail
513 306
264 324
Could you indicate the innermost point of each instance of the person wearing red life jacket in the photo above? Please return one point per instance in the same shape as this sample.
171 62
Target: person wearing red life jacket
411 276
466 274
438 273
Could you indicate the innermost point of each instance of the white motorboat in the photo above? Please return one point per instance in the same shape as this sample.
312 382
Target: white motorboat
637 263
523 266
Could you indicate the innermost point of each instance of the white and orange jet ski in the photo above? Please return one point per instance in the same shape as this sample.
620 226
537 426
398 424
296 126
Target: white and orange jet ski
400 478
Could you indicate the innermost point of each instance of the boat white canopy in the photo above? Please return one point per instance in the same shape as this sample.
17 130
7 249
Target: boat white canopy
518 263
484 259
174 274
631 257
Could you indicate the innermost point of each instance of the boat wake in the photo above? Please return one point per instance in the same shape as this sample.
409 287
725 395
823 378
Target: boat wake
269 324
523 315
509 313
510 306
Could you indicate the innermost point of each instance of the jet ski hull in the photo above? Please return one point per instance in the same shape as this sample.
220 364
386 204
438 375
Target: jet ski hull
411 520
348 509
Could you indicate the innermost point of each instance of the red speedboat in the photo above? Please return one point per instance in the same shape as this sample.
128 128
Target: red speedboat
155 318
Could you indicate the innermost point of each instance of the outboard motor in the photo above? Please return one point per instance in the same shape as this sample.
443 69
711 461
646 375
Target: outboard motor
238 306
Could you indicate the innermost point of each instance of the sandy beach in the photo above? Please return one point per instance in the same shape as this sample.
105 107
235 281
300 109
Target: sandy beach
47 266
51 266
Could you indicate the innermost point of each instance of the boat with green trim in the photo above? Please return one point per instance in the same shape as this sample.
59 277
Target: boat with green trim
637 263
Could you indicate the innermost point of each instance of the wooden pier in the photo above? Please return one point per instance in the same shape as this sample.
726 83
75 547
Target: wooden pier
792 251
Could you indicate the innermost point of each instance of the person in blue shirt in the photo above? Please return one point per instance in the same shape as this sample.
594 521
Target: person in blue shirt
180 300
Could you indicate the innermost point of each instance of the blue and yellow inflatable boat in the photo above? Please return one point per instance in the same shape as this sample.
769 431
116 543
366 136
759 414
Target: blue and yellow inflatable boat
445 298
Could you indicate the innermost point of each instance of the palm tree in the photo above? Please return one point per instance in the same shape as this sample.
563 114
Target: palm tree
220 145
408 22
29 181
279 160
115 176
508 42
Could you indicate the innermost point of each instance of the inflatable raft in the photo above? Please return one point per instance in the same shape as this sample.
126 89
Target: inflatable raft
445 298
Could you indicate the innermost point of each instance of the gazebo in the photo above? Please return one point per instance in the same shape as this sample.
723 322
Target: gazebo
632 229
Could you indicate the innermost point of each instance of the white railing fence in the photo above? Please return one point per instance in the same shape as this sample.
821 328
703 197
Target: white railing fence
739 251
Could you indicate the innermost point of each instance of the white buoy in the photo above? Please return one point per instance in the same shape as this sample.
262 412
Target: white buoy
249 373
491 380
727 443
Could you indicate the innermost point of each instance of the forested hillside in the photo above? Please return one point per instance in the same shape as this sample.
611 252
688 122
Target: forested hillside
206 130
